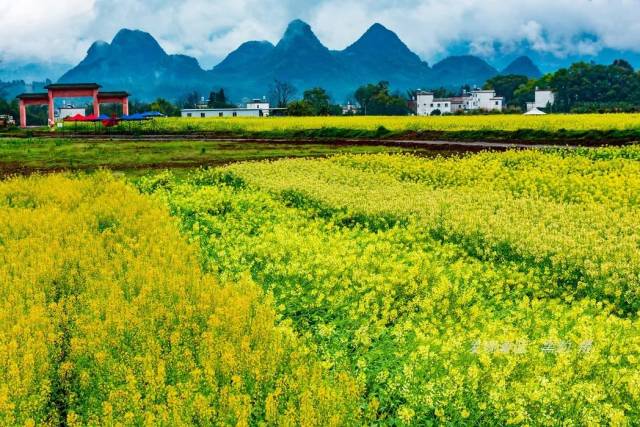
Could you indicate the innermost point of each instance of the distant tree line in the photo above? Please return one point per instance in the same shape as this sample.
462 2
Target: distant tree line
373 99
377 99
581 88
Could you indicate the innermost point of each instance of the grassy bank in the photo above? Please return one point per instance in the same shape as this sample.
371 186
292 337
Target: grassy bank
47 154
588 128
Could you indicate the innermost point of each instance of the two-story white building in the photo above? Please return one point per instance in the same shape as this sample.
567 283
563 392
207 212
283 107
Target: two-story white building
259 104
543 99
485 100
427 103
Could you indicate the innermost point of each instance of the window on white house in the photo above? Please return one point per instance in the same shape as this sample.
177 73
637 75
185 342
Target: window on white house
188 114
202 115
235 114
221 114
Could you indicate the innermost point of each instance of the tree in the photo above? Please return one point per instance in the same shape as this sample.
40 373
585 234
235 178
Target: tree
219 100
583 83
525 93
319 101
190 100
300 108
136 106
5 107
364 95
377 100
623 64
506 86
281 93
165 107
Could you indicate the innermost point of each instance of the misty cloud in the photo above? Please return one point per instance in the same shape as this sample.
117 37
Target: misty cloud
62 31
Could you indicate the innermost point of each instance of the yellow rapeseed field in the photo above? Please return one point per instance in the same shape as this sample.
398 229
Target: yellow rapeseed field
486 289
399 123
291 125
492 289
107 319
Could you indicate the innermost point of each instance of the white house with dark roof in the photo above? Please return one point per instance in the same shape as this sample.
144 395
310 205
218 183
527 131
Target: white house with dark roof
485 100
426 104
254 108
259 104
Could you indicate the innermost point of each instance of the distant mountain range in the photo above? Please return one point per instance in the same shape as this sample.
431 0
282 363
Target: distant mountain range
501 56
134 61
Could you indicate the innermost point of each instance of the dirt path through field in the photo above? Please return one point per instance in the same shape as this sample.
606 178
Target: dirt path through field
432 144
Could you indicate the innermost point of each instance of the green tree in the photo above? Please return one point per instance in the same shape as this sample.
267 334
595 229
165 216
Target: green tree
623 64
219 100
583 83
319 101
165 107
364 96
300 108
377 100
507 86
190 100
136 106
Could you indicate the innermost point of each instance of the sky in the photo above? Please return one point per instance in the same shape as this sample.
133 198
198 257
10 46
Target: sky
62 31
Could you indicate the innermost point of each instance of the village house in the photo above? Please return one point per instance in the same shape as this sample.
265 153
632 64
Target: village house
261 105
426 104
349 109
255 108
485 100
542 99
477 100
458 103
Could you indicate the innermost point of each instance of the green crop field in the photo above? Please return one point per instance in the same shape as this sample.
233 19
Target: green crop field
136 157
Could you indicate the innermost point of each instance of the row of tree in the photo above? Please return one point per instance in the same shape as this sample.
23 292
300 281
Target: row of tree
373 99
583 87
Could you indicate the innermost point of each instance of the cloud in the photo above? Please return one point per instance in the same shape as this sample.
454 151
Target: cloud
62 31
30 29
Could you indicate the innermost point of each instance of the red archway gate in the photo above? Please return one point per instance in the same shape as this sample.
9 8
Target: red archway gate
71 90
